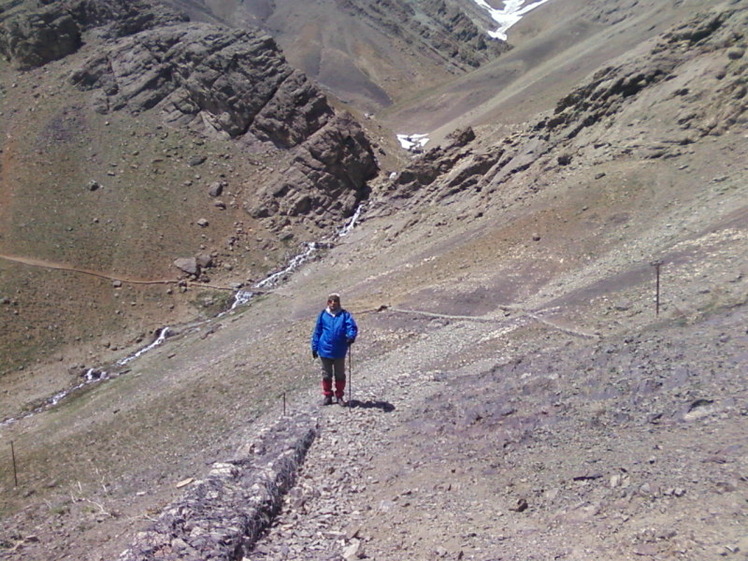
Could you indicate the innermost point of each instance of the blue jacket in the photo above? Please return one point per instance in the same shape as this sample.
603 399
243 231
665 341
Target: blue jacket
333 334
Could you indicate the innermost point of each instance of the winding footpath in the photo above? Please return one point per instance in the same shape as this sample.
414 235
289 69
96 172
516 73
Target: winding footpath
32 262
323 514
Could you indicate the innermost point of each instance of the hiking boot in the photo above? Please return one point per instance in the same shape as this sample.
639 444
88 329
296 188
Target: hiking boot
328 400
342 402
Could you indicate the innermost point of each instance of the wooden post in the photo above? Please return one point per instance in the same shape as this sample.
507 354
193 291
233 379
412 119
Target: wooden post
350 376
657 265
13 455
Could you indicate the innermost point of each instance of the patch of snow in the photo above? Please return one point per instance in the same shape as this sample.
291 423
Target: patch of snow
413 142
508 16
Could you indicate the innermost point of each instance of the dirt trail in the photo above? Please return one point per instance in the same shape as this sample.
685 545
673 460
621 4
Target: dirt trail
532 314
63 267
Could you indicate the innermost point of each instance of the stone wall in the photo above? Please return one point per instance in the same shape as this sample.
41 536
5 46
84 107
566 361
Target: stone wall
222 515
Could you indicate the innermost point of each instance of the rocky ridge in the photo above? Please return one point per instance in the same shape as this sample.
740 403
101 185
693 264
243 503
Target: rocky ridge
233 81
351 46
619 98
34 34
238 84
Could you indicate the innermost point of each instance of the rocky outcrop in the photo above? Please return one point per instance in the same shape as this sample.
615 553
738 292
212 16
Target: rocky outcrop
453 31
435 163
236 84
326 179
35 37
236 81
239 85
605 94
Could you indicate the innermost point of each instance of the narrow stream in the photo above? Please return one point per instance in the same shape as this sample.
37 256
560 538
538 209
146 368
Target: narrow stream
161 336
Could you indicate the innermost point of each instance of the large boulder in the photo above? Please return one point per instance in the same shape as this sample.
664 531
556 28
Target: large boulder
187 265
34 39
327 176
56 28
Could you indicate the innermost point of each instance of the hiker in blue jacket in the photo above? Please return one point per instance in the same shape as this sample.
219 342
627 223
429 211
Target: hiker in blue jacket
333 333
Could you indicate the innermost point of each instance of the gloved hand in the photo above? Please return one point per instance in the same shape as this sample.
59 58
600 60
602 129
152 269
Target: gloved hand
350 341
314 354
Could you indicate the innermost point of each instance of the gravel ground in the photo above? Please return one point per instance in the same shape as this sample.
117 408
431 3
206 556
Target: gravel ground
549 452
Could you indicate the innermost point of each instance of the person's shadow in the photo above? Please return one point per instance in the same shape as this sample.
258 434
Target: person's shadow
383 405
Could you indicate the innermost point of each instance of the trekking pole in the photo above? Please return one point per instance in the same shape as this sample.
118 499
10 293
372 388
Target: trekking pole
350 374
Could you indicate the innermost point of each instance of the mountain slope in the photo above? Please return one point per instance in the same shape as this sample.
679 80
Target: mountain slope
368 53
553 49
517 391
146 141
